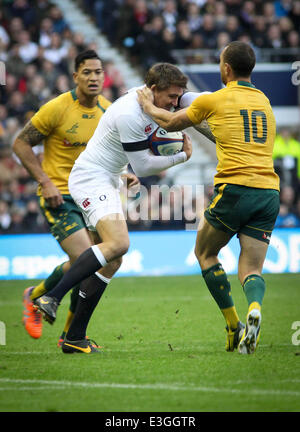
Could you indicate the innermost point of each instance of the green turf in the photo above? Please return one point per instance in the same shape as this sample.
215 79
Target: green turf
164 350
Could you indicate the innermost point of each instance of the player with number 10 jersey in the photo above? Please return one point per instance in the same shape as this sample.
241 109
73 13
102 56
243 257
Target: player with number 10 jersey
244 132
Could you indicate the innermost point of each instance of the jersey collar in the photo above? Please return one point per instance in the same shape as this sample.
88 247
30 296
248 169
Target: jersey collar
240 83
74 96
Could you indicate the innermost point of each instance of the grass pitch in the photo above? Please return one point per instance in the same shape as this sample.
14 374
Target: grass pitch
163 342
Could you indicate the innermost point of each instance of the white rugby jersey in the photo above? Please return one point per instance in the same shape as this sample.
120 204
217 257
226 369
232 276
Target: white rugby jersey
124 127
122 133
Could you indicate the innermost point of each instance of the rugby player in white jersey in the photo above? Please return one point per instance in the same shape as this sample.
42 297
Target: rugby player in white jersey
121 137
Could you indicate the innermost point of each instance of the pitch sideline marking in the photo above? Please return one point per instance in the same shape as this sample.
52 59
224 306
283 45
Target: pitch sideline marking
63 384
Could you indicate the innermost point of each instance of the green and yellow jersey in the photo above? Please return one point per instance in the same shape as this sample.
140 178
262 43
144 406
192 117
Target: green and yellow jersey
242 121
68 126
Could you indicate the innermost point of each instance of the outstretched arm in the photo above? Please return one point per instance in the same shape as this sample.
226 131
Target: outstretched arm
170 121
174 121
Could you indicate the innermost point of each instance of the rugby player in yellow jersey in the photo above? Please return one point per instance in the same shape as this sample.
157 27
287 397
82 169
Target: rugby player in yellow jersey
246 197
65 125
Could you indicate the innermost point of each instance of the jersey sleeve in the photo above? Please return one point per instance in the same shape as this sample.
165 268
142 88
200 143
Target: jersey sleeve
132 135
48 116
144 163
201 108
188 97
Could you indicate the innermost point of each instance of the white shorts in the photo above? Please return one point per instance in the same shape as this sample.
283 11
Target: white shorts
97 194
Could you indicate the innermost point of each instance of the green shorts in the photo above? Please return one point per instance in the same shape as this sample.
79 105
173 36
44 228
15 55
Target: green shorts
239 209
63 220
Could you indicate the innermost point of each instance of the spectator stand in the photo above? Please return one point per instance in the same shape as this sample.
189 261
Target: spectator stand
38 48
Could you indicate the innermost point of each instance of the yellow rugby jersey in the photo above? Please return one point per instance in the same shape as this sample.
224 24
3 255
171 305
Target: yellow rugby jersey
242 121
68 126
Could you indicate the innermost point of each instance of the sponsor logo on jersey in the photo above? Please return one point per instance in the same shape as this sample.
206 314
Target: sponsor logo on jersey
73 129
88 116
148 128
86 203
67 143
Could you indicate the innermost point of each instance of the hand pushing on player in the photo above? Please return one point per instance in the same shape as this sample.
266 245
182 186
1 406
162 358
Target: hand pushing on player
131 180
145 97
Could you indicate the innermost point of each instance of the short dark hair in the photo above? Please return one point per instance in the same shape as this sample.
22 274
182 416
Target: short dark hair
85 55
163 75
241 57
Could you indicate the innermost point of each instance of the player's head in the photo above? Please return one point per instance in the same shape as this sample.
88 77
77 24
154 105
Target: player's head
167 83
88 75
237 60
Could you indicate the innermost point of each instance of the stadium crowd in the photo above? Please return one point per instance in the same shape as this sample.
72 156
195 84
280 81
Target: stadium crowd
38 49
149 30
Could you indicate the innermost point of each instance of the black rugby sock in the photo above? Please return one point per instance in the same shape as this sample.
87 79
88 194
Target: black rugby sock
86 264
90 293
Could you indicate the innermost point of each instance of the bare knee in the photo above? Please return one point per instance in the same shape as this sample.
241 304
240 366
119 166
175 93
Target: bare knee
120 248
114 234
115 249
205 259
199 255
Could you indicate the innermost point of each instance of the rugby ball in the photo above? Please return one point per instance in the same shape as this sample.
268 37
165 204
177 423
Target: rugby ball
163 143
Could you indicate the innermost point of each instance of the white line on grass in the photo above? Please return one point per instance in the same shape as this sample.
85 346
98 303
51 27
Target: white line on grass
62 385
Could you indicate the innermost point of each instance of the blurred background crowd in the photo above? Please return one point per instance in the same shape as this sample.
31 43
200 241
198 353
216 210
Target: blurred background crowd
38 49
152 30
